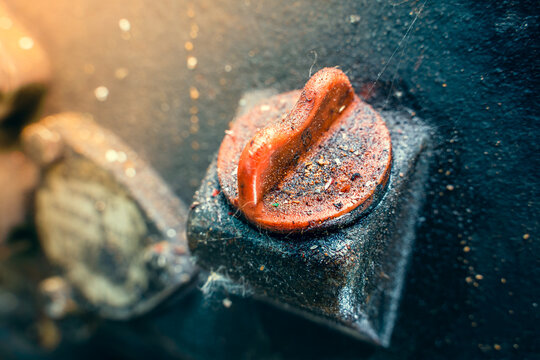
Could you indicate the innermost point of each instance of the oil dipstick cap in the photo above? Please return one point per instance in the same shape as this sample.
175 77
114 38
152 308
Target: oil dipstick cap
306 159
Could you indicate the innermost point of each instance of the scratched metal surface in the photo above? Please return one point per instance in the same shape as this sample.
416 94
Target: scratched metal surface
468 67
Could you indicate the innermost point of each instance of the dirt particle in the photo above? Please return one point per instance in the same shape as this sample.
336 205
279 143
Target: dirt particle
191 62
227 303
193 93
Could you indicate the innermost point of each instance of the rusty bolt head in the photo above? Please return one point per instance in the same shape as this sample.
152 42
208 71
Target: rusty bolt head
306 168
41 144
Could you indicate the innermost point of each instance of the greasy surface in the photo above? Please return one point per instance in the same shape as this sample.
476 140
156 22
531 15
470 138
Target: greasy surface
350 278
304 166
467 67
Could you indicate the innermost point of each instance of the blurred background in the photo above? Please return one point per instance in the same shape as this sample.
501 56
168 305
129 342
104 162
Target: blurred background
166 77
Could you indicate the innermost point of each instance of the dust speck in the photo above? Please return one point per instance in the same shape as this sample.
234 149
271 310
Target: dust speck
191 62
121 73
101 93
193 93
124 25
26 43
